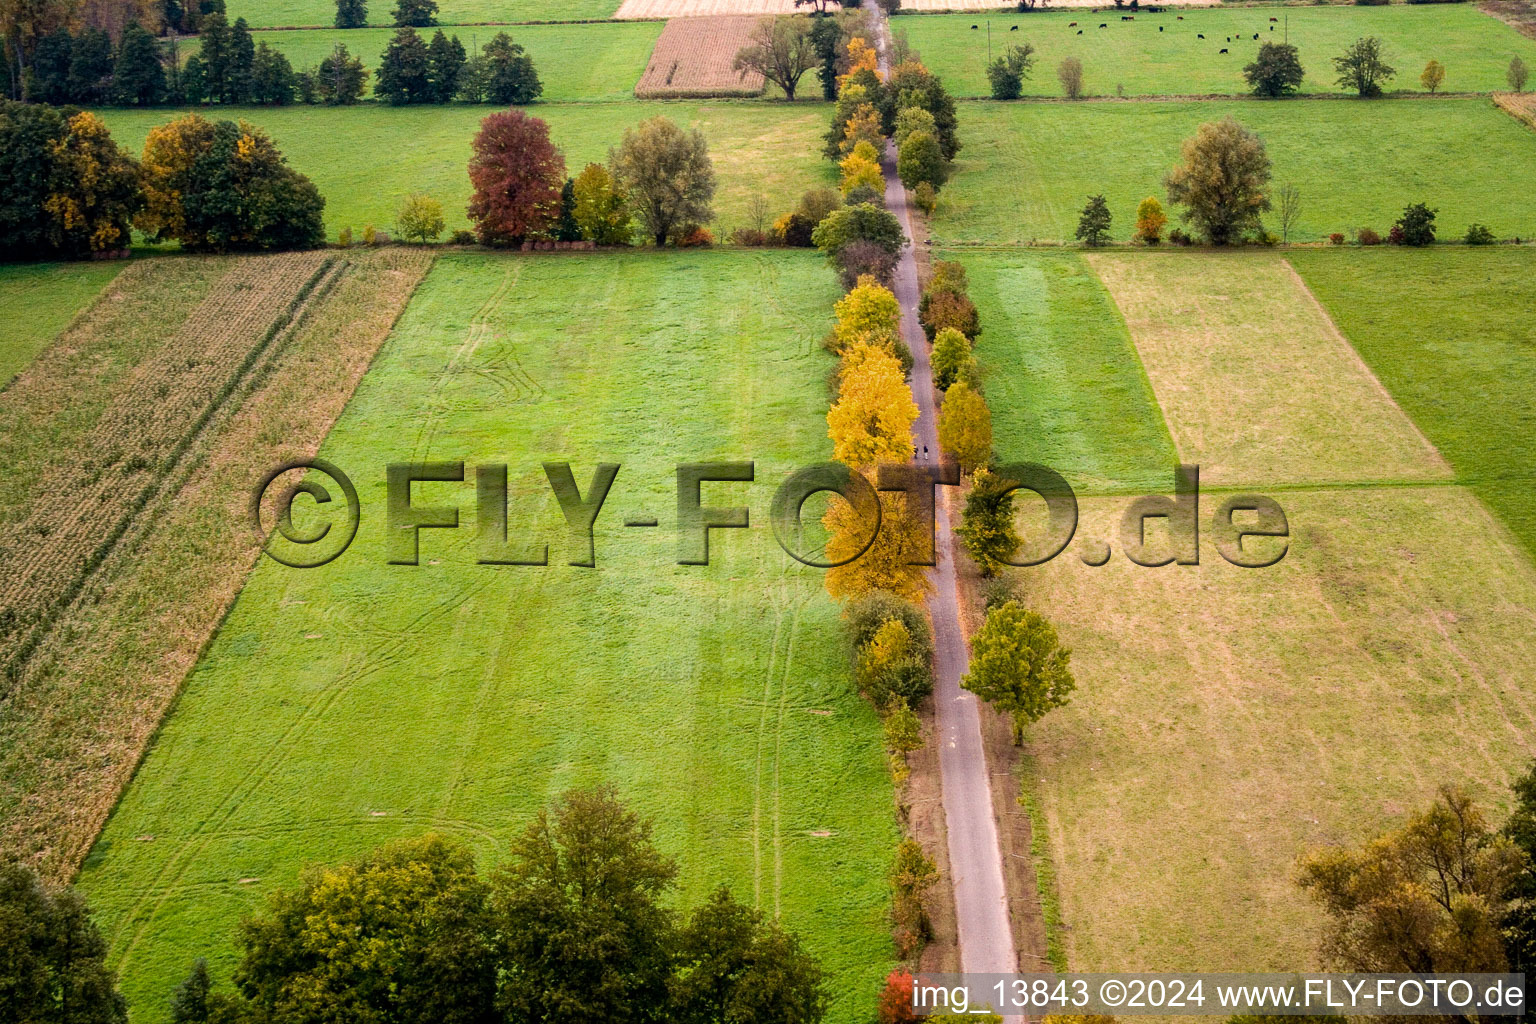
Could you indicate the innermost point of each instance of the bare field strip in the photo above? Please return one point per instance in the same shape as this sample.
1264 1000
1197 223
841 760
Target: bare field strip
84 508
1520 105
75 724
693 59
1256 384
1226 719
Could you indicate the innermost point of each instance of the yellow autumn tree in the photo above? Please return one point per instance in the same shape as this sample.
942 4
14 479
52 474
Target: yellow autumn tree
885 565
859 172
870 313
93 189
169 153
965 426
863 125
871 421
861 56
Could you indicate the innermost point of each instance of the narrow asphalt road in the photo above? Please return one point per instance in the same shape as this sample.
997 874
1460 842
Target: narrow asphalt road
981 900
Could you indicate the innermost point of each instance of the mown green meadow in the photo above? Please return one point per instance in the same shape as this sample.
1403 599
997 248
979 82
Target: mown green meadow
1066 387
322 13
365 159
343 706
1450 334
1028 168
575 62
1136 56
38 300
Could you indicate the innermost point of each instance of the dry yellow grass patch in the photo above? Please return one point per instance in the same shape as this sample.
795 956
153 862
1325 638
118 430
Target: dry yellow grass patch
1226 719
1256 384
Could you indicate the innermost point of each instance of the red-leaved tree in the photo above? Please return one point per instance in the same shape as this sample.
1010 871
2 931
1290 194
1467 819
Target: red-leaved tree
517 174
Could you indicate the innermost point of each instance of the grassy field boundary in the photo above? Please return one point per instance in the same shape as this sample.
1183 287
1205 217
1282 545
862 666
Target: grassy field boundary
1043 865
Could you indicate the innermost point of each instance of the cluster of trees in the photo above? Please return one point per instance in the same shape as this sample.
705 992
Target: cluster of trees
1362 67
413 70
573 927
215 186
1446 892
660 177
86 67
412 13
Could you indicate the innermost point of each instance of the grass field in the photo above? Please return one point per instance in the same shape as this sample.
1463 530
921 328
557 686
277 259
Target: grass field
1051 334
322 13
374 700
1450 335
38 300
1135 55
365 160
1257 385
575 62
1226 719
1028 168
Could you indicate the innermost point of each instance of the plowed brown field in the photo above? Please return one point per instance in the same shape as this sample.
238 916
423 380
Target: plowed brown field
693 58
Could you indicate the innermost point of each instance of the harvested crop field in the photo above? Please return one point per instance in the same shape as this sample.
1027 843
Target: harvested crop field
84 704
1521 105
693 57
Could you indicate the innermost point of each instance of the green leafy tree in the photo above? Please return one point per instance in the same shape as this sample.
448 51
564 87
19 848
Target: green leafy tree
191 1003
69 190
910 84
919 159
1517 75
445 65
667 175
405 74
1432 76
1008 72
950 357
420 218
986 525
1427 898
511 78
1416 226
192 83
862 222
240 69
341 78
825 37
903 733
222 186
53 960
214 51
736 967
782 50
272 79
48 76
1363 68
582 934
566 228
1223 181
90 67
1019 666
1093 225
1276 71
1519 923
399 936
601 211
415 13
913 119
351 13
138 79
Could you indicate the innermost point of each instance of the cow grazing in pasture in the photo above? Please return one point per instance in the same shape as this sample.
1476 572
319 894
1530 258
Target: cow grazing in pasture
1159 28
1016 28
1126 17
1072 24
1255 35
1079 31
1200 35
1103 24
1273 20
1223 49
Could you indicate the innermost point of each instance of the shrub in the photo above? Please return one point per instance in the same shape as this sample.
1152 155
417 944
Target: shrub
1517 75
1337 238
1395 235
1007 73
949 309
344 239
890 668
816 203
895 1006
750 237
925 197
1178 236
951 353
947 276
1000 589
912 874
693 236
1432 76
369 234
1367 236
793 229
1070 74
1416 226
1478 234
874 195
